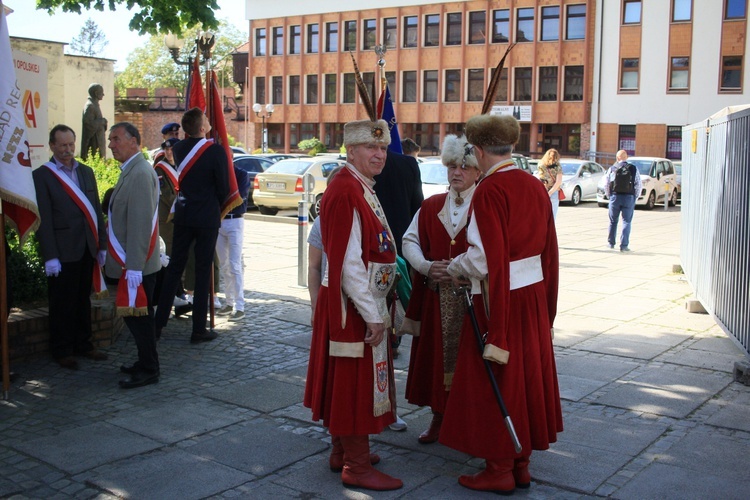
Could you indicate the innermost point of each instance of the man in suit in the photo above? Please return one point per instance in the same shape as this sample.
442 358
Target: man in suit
72 238
204 185
134 255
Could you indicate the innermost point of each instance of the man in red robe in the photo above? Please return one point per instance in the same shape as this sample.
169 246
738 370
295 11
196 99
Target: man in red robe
513 250
435 314
349 379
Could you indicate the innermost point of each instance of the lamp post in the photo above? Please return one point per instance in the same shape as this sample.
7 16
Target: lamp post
204 43
269 111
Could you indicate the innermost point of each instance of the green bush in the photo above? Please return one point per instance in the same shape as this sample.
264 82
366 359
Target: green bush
106 171
260 151
312 146
26 278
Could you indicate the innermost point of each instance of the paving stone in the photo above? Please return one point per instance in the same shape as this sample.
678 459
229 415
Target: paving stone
660 481
733 413
261 395
607 433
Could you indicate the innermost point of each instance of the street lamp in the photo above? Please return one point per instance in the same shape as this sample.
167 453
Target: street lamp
204 43
269 111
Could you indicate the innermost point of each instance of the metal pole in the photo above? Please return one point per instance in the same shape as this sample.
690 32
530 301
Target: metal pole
4 345
302 218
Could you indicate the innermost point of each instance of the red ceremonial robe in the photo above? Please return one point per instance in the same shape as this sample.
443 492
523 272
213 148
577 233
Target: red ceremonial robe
425 384
339 389
514 219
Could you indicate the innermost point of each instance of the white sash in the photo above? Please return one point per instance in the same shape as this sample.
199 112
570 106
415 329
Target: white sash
118 252
78 196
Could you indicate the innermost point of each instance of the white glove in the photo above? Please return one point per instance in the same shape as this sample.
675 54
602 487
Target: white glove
134 278
101 257
52 267
164 259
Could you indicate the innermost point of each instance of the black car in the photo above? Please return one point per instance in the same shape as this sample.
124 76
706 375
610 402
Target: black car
253 165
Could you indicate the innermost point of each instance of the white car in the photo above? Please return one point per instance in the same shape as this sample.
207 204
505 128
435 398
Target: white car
580 179
658 182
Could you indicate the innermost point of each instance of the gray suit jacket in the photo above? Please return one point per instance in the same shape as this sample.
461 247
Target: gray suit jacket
63 231
133 204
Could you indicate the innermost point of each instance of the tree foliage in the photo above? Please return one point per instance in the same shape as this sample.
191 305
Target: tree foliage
312 146
149 16
151 65
90 41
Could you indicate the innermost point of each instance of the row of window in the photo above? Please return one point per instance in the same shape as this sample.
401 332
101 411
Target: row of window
679 74
548 86
682 10
626 140
549 26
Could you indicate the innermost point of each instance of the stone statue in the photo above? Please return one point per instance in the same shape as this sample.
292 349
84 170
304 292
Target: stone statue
94 124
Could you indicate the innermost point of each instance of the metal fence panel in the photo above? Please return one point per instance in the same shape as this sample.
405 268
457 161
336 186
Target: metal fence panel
715 223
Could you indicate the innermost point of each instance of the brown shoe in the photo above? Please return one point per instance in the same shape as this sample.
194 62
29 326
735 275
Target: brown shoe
95 355
68 362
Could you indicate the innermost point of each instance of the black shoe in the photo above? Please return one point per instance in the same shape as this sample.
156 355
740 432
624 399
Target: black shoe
139 379
130 370
206 336
182 310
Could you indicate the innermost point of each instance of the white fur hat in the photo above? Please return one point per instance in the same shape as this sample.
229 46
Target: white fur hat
457 151
367 132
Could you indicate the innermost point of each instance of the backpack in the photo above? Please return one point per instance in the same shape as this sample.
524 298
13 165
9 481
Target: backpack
624 181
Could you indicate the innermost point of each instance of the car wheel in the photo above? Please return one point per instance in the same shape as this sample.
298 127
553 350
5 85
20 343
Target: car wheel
673 199
267 210
315 207
576 198
603 205
651 201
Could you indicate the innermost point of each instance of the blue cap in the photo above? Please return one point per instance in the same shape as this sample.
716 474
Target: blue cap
169 142
170 127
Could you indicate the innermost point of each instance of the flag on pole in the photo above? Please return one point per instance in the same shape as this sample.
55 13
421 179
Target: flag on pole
195 96
385 112
219 135
16 183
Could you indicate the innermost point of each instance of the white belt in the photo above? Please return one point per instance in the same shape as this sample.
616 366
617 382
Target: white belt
525 272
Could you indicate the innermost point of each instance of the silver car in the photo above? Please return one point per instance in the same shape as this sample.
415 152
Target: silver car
580 179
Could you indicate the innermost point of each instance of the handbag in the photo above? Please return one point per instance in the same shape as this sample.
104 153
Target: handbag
560 194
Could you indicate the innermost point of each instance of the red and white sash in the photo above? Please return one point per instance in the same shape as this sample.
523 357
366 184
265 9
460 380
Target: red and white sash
169 171
187 163
80 199
130 301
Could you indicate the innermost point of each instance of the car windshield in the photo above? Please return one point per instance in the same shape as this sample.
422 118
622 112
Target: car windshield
289 167
433 173
643 166
570 168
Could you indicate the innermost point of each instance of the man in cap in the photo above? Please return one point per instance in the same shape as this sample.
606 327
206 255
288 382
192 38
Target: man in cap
513 252
170 131
436 312
349 376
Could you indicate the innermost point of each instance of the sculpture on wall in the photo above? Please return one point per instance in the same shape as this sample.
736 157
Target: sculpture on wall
94 124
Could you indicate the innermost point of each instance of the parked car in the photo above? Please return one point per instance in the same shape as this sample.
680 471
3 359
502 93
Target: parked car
236 150
522 162
434 177
274 157
281 186
253 165
678 177
580 179
658 182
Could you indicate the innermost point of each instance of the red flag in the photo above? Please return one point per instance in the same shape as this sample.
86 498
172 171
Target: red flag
16 183
196 97
219 135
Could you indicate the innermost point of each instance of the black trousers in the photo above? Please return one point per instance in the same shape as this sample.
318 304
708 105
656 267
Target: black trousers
69 296
142 328
205 246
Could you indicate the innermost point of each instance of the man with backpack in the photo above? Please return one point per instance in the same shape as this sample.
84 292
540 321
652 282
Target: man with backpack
623 186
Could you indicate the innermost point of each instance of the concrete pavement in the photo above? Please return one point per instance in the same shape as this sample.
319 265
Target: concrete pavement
650 406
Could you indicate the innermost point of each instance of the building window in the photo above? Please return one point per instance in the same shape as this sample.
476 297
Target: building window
674 142
389 32
260 42
390 77
410 87
329 81
430 86
679 76
349 90
682 10
627 139
502 88
731 73
294 89
735 9
278 41
629 74
369 34
277 90
431 30
369 80
525 25
575 27
411 31
295 39
260 89
548 83
477 27
350 36
453 33
332 37
500 26
522 84
311 85
573 86
550 24
452 85
475 85
631 12
312 38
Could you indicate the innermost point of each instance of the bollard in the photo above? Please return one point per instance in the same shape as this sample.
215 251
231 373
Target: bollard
302 217
666 196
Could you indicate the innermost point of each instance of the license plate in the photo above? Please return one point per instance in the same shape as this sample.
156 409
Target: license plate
280 186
